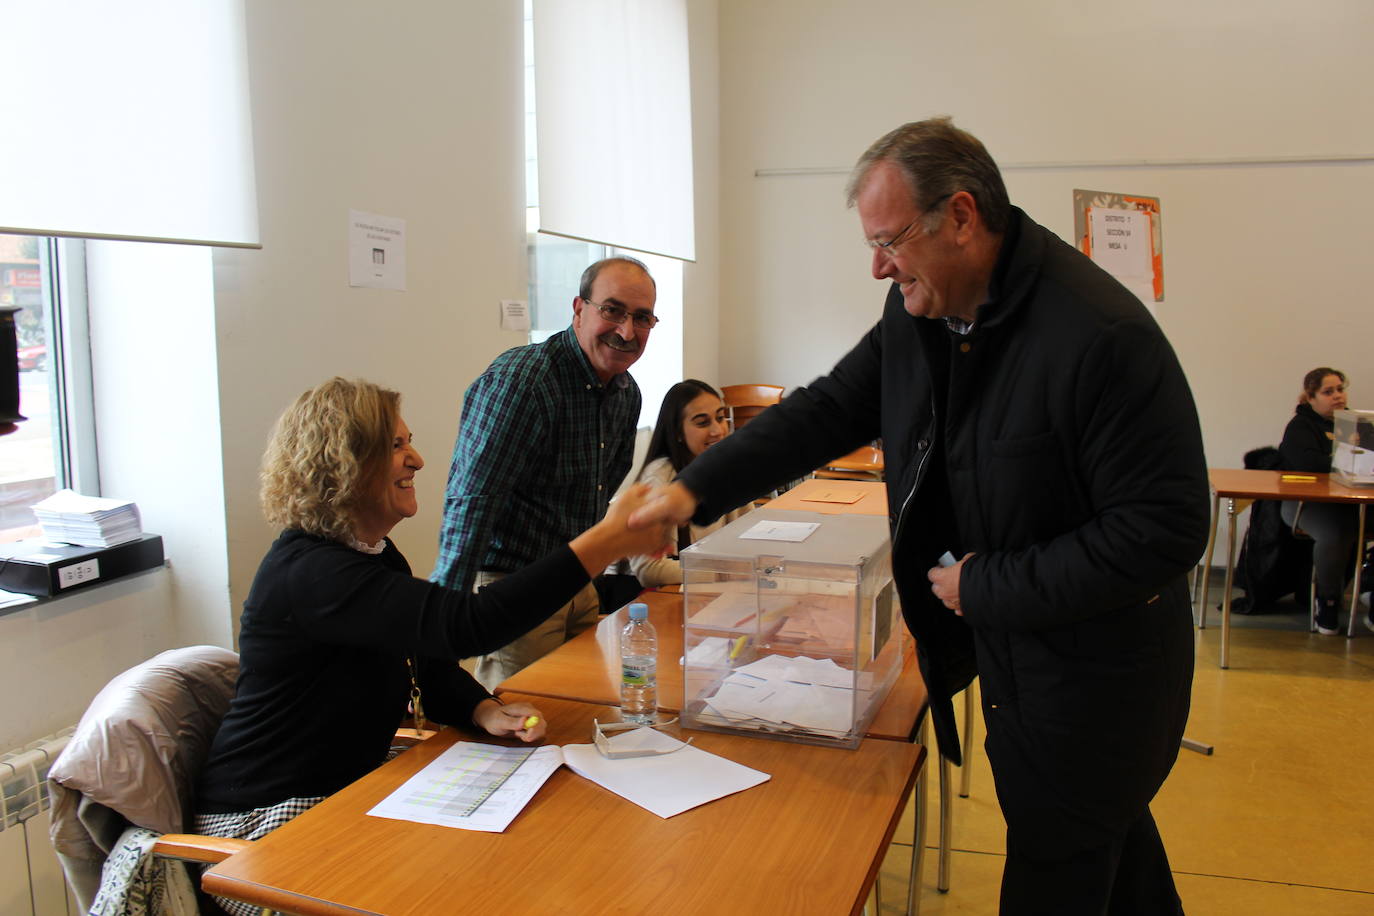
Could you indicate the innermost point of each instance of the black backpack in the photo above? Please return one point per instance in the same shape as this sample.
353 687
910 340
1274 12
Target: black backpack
1272 564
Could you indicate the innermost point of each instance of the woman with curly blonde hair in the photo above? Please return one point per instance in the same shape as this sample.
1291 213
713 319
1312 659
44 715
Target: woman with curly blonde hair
338 638
324 450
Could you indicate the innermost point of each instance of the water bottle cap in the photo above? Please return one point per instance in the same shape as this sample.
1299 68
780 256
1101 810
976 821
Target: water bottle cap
639 611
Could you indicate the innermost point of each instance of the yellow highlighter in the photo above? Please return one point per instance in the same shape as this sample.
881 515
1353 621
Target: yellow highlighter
531 721
1298 478
738 648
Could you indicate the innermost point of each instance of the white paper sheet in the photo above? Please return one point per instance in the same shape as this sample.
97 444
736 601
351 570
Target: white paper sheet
711 652
666 785
728 610
14 599
376 251
780 531
515 315
445 787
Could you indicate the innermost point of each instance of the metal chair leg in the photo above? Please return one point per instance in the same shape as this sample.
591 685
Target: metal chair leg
946 822
1230 580
970 701
1206 572
1359 567
918 828
1312 602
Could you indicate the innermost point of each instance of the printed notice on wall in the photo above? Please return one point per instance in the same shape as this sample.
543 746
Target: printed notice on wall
1121 233
515 315
376 251
1121 245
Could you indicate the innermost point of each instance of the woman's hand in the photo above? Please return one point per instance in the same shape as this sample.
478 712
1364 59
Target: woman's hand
668 506
612 538
509 719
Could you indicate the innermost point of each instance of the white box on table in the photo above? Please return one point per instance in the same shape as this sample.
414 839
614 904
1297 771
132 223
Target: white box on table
792 639
1352 457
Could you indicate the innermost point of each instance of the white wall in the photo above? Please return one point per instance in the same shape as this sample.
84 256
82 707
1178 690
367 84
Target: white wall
1261 278
412 111
55 656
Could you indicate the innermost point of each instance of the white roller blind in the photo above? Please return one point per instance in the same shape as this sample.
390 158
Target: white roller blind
614 115
128 120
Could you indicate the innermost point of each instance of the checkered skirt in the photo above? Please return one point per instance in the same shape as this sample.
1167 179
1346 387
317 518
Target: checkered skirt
251 825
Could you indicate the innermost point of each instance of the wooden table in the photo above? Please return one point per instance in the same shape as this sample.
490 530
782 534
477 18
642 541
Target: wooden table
810 840
872 497
1238 488
587 669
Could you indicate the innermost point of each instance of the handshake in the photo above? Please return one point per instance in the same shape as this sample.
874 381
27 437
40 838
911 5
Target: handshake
642 522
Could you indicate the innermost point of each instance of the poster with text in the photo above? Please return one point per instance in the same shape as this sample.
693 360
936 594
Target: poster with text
1121 233
376 251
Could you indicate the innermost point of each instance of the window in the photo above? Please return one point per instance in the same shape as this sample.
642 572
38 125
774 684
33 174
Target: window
54 446
556 265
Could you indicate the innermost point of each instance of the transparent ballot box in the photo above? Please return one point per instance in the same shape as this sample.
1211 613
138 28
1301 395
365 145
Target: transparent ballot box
791 626
1352 458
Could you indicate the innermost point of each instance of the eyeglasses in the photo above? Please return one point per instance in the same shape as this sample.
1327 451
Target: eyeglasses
889 247
616 314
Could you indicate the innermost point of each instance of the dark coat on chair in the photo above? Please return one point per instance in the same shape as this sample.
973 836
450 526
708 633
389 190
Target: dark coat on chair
1272 563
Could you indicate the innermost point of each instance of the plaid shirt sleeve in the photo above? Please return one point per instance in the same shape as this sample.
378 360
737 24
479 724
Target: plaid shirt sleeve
500 419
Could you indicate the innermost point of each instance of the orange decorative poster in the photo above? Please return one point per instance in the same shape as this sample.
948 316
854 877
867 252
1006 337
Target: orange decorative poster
1121 233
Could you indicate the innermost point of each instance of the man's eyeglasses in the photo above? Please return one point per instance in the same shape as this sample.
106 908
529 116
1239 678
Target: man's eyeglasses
616 314
889 247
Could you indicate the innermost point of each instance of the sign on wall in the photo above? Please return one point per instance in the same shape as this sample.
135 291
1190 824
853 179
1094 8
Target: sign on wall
376 251
1121 233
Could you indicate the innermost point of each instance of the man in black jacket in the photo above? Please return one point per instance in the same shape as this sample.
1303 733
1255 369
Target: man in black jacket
1037 425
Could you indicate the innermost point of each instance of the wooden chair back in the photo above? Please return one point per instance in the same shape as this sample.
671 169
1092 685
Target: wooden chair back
745 402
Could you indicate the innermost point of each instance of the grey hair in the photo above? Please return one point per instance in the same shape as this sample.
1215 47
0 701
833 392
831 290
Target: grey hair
938 160
584 288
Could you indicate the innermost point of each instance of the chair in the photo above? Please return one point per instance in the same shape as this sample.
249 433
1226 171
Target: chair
1312 585
133 761
864 463
745 402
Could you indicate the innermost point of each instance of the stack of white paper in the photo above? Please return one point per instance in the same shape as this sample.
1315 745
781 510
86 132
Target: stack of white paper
780 693
14 599
67 517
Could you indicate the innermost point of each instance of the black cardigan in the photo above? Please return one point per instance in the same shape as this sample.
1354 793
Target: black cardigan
322 679
1307 441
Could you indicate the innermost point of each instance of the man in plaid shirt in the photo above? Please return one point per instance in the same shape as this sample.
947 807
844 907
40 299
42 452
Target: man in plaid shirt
547 435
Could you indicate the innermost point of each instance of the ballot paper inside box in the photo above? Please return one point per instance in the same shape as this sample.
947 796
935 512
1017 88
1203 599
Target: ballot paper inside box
792 628
1352 457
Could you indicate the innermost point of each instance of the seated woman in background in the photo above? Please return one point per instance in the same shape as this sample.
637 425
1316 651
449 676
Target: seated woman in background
1306 446
691 420
338 638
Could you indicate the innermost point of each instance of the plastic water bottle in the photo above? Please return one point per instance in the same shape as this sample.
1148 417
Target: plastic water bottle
639 667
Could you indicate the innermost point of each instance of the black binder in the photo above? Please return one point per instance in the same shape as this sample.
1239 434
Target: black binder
36 568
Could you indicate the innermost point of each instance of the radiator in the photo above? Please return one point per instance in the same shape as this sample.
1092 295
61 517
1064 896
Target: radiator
30 877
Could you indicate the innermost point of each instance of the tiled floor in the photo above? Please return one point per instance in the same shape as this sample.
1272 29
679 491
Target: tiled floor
1279 820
